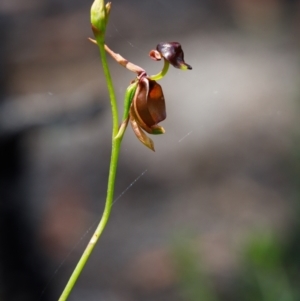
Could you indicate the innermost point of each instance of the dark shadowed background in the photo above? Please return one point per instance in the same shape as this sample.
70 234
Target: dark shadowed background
212 214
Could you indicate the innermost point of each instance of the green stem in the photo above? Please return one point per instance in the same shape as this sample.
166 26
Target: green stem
116 144
162 73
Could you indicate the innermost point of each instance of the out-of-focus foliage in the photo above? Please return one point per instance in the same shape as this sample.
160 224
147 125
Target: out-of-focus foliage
193 283
264 273
265 276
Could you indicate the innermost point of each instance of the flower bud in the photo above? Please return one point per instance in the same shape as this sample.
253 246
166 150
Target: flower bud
99 16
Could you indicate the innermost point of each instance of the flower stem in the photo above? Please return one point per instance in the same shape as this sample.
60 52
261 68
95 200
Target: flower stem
162 73
116 144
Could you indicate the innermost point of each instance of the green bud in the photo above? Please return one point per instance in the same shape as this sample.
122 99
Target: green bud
99 17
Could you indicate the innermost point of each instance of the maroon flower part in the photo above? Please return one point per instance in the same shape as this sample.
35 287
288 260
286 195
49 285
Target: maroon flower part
172 52
147 110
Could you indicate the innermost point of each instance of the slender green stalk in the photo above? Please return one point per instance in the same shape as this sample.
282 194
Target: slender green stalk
162 73
99 18
116 143
112 96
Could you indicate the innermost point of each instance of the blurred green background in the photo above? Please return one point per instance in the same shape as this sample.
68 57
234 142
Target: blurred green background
213 214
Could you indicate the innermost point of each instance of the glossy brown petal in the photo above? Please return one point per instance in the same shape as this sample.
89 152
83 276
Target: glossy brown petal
147 110
173 53
156 102
140 121
154 129
149 103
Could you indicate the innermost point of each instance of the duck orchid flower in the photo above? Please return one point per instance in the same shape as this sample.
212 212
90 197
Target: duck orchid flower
144 104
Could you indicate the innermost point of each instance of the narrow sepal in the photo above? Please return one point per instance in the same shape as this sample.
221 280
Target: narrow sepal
140 134
122 129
